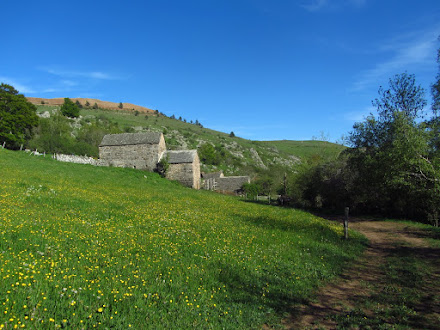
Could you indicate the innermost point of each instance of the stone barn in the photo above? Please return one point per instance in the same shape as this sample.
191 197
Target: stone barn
184 167
225 184
136 150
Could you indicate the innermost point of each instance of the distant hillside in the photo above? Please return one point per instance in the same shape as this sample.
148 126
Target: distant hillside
231 154
101 104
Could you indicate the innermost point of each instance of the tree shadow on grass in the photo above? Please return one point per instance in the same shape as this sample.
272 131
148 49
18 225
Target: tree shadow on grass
266 290
277 290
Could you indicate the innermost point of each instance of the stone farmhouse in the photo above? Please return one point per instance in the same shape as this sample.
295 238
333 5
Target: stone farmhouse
144 151
136 150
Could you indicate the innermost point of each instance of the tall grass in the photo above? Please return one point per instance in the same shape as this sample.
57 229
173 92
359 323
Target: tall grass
84 246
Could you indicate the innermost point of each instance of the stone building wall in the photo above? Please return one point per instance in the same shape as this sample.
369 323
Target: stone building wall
231 184
139 156
187 173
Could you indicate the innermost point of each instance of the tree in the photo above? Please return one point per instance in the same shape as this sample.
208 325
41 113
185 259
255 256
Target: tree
232 134
391 154
208 154
403 96
435 89
95 106
87 104
17 117
120 106
78 104
69 109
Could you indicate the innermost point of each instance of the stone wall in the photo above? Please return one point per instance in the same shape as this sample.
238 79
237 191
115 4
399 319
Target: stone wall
139 156
187 174
77 159
231 184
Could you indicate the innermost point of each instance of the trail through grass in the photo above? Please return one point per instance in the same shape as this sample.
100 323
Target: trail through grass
393 286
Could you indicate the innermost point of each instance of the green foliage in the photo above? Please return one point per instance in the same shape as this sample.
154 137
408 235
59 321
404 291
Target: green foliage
392 168
69 109
17 117
78 104
232 134
208 154
87 104
402 97
251 189
396 171
120 106
163 166
95 106
435 89
55 135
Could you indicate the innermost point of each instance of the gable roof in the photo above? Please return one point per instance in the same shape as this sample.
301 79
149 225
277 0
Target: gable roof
181 156
131 138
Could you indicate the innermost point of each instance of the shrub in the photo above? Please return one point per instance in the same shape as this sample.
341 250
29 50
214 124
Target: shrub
69 109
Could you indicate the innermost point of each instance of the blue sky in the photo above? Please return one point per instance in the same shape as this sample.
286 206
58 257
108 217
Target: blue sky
265 69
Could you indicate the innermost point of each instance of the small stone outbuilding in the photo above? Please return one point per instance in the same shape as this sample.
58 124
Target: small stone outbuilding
225 184
184 166
136 150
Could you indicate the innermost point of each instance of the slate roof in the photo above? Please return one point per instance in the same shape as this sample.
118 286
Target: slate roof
212 175
181 156
130 139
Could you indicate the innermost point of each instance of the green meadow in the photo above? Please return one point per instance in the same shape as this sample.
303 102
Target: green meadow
84 247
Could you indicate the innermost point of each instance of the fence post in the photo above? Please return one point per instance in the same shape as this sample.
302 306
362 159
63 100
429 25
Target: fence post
347 210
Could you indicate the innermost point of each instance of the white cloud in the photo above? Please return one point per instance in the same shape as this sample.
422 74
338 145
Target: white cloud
69 83
317 5
83 74
359 115
23 89
415 49
314 5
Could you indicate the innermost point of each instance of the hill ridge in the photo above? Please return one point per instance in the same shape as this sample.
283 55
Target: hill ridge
101 104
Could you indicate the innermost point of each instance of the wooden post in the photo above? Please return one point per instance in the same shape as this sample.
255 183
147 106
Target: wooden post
347 210
4 143
436 223
21 147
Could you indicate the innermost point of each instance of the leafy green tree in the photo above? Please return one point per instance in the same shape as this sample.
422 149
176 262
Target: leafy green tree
17 117
251 189
211 155
120 106
87 104
395 174
78 104
95 106
69 109
435 89
53 135
232 134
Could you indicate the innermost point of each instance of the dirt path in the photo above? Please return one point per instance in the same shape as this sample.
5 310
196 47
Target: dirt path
358 283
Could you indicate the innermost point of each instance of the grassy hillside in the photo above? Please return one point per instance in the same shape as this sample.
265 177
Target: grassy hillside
237 156
84 246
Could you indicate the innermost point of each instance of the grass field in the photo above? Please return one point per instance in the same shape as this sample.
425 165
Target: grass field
84 247
307 149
